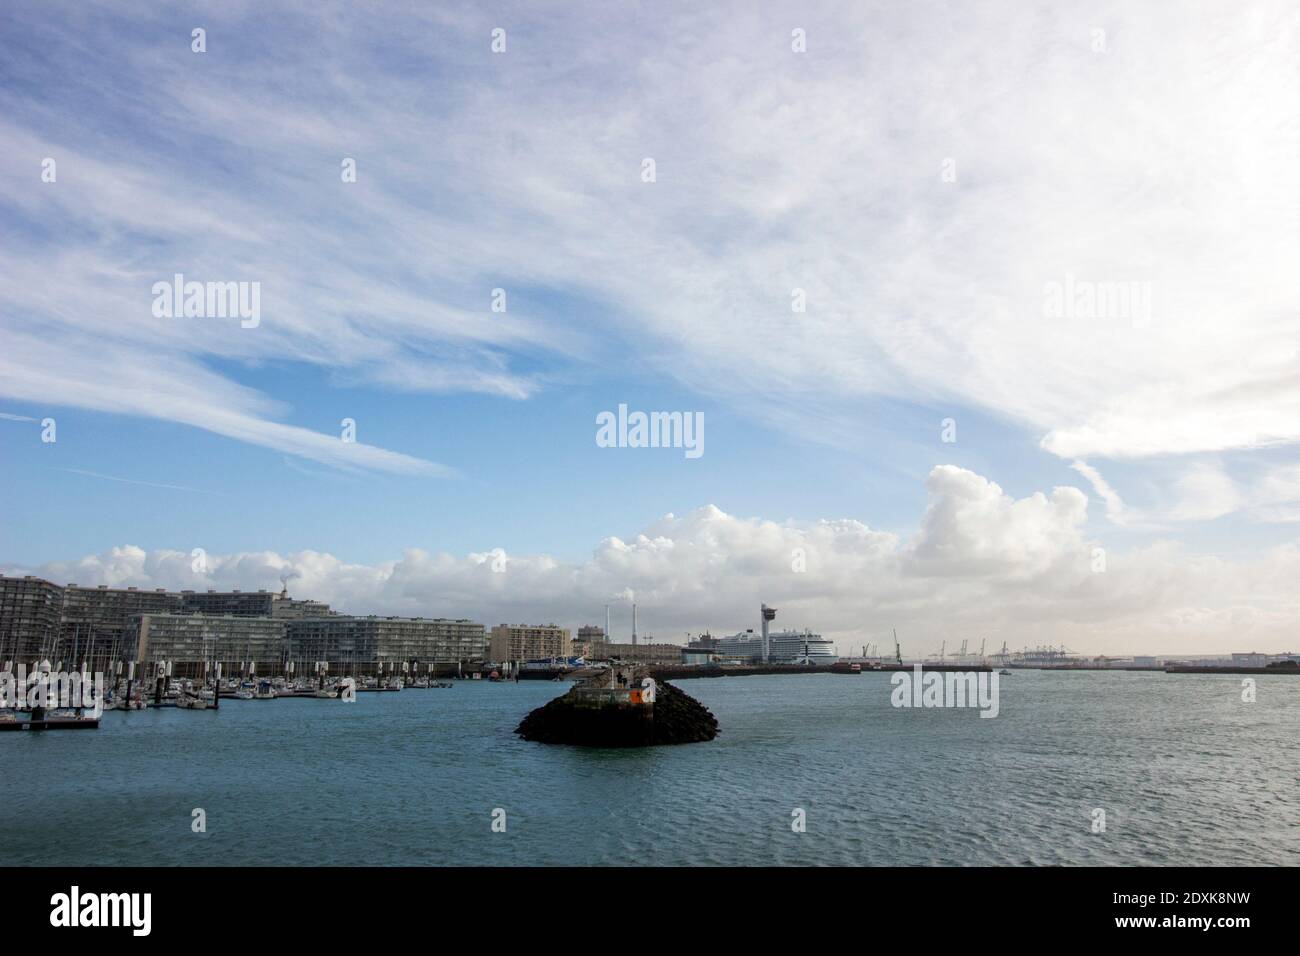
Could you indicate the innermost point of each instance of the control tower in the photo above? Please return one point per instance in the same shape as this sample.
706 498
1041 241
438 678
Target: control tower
769 615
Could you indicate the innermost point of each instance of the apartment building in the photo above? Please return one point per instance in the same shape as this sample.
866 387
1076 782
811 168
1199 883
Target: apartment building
30 610
94 620
345 639
237 603
526 642
190 640
589 642
103 625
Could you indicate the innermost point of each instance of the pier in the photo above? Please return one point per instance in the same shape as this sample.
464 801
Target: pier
40 722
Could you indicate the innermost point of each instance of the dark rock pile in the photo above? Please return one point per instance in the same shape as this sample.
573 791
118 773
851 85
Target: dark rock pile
676 718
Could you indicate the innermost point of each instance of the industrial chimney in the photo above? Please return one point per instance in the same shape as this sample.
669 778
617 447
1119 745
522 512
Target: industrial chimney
634 624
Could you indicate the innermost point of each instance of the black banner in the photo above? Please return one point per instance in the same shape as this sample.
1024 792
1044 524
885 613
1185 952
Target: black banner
150 905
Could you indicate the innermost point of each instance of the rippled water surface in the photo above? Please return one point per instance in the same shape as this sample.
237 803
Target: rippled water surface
1186 772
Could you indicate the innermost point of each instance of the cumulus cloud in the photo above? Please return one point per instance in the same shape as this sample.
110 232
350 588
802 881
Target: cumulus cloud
981 565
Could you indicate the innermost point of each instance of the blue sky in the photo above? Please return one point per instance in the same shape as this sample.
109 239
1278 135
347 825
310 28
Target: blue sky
925 176
529 476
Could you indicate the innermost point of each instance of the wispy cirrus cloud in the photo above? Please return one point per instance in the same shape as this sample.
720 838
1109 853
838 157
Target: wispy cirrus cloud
138 481
1161 155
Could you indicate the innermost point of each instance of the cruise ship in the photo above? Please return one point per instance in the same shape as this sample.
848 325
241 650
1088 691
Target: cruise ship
787 647
793 647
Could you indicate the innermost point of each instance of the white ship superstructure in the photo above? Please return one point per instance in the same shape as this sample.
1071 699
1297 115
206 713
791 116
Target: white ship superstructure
796 647
784 647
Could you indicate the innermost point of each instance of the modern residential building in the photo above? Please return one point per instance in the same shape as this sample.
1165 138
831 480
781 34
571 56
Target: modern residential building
589 641
103 625
30 610
237 603
94 620
190 640
350 640
253 604
286 607
527 642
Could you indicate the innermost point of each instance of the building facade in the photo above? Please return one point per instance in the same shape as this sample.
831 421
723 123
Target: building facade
286 607
528 642
589 642
644 653
40 620
30 611
94 621
698 656
236 603
347 640
239 644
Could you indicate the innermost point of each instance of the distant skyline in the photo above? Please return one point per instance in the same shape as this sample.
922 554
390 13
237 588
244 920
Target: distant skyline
987 312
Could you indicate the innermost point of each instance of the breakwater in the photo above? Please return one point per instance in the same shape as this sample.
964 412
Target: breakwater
604 713
681 671
1232 670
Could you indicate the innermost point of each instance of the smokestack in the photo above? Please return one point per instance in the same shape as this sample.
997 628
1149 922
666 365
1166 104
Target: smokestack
634 624
606 634
768 614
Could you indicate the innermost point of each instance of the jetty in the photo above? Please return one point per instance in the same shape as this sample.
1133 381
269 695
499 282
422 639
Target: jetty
620 707
41 722
670 671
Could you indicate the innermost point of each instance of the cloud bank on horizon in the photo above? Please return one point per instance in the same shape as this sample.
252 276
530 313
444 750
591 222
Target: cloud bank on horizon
981 565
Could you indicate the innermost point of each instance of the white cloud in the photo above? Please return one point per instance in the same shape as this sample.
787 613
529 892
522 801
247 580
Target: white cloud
1204 493
1114 504
981 565
110 377
1165 159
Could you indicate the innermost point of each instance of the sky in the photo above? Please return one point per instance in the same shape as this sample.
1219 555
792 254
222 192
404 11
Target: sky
989 312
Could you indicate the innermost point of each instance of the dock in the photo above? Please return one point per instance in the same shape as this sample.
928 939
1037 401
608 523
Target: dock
50 723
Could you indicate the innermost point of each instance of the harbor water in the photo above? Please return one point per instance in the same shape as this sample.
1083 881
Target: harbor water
1184 770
